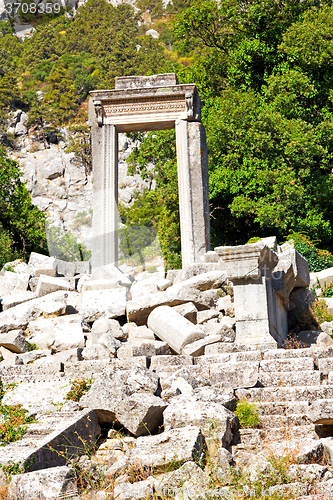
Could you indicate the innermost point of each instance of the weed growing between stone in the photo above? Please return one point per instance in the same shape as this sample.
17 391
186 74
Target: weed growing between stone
78 389
14 419
247 414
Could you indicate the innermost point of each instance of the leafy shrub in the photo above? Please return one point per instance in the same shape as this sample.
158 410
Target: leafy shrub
317 259
319 310
79 387
247 414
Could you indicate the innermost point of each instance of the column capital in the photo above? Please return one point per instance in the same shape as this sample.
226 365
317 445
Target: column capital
99 112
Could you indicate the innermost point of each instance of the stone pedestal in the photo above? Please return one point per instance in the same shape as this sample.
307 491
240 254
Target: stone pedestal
261 318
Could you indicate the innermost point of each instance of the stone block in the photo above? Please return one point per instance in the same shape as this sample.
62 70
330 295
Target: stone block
13 283
238 374
103 304
57 334
321 411
198 348
187 410
128 397
14 341
182 380
188 481
189 311
131 331
173 328
48 284
39 262
324 340
300 267
142 347
19 316
106 284
204 316
169 450
159 362
16 298
47 484
104 325
287 365
228 357
97 351
279 378
31 356
225 332
140 490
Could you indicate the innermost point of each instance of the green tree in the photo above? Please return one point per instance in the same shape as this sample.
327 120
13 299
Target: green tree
22 226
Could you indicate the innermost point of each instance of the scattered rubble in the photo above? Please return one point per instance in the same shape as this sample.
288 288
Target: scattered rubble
167 359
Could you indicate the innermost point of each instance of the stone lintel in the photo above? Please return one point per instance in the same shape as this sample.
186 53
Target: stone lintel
146 108
247 261
132 82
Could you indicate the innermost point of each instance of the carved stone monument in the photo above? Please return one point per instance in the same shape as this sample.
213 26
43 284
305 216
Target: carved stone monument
140 104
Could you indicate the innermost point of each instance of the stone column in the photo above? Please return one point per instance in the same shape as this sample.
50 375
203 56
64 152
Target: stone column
261 318
192 166
105 196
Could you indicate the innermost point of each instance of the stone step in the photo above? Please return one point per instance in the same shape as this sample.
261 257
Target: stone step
279 394
228 358
61 437
288 353
283 408
282 379
292 432
287 365
269 421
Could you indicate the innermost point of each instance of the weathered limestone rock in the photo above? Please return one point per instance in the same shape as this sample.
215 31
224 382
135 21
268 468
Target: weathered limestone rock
19 316
158 362
189 311
299 264
15 298
103 304
188 481
261 318
204 316
238 374
212 418
48 284
14 341
141 490
48 484
38 396
97 351
197 348
226 305
173 328
131 331
321 411
104 325
142 347
221 329
169 450
57 334
128 397
31 356
13 282
41 263
196 290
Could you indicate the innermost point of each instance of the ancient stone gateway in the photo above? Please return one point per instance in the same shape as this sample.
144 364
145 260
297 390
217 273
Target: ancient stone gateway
140 104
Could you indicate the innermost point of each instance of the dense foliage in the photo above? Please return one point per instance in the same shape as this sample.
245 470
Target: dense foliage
22 225
265 75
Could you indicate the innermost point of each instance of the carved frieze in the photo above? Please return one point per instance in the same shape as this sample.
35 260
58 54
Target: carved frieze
147 108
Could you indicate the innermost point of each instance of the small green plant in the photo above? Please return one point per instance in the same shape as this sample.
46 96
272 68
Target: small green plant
247 414
12 469
79 387
9 268
31 347
255 239
15 423
320 312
